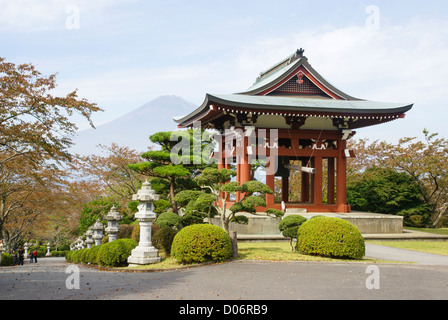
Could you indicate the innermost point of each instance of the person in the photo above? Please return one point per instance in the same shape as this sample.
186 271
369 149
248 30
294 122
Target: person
31 256
21 253
15 258
35 255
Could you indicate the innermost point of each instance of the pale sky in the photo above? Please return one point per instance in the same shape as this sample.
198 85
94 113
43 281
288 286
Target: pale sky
124 53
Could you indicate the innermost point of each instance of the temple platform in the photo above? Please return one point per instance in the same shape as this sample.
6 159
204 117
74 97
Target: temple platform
373 226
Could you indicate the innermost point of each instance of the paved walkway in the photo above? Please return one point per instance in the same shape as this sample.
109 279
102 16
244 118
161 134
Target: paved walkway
397 254
426 278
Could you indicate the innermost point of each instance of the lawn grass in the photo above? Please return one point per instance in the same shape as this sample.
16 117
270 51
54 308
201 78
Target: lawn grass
437 247
442 231
267 251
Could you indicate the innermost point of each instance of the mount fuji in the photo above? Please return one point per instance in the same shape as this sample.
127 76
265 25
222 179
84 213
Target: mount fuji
134 128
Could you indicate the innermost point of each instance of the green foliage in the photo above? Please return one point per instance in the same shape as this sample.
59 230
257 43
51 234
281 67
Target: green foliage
330 237
163 239
161 205
7 259
172 172
196 205
168 220
290 225
387 191
275 212
200 243
93 210
59 253
41 250
92 255
86 256
217 182
115 253
213 176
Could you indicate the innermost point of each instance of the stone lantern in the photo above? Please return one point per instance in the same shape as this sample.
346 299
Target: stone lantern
98 232
27 246
145 253
113 217
89 237
48 254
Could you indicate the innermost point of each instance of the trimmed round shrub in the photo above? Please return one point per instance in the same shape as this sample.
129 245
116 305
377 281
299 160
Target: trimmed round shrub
330 237
115 253
168 219
163 239
201 243
290 224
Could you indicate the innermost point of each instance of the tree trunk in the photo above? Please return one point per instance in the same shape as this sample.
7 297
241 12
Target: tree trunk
173 203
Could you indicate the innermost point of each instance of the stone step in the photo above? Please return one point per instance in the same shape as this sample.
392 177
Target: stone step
295 211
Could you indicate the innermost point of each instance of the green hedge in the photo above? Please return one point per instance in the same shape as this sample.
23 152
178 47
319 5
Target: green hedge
7 259
330 237
115 253
111 254
201 243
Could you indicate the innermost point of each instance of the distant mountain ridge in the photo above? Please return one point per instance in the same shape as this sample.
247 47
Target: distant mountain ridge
134 128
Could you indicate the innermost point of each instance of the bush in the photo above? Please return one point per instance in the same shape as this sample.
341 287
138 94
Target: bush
330 237
201 243
163 239
115 253
290 225
168 219
55 253
92 255
7 259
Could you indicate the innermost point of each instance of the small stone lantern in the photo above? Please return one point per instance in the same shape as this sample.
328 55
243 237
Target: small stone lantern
26 246
48 254
89 237
98 232
113 218
145 253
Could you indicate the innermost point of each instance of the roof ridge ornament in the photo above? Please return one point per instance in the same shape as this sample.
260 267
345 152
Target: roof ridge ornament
299 53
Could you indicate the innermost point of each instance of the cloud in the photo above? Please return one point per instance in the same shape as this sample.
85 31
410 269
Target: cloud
37 15
397 63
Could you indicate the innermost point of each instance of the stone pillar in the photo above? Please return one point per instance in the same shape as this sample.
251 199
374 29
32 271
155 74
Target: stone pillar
48 254
113 217
145 253
89 237
26 246
98 232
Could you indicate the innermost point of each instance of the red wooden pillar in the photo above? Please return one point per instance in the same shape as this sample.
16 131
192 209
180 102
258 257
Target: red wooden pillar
285 189
270 181
245 164
330 181
317 185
